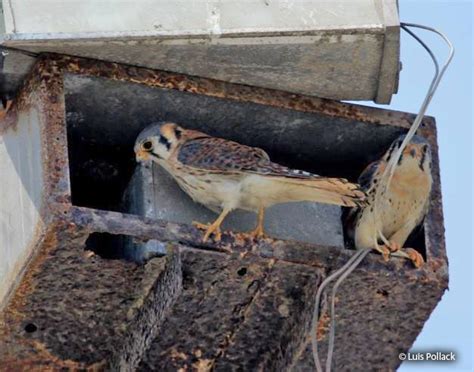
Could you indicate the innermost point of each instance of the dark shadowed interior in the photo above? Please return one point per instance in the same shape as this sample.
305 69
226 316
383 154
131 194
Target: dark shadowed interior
105 116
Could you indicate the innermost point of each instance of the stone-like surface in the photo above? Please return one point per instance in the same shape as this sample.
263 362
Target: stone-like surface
153 193
227 308
80 311
276 322
377 317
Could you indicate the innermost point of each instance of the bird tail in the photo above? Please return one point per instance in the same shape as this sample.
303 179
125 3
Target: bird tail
336 191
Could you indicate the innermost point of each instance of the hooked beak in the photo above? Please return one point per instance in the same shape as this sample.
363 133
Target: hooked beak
141 156
410 150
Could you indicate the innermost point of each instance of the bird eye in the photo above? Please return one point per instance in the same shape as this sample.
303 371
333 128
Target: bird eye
147 145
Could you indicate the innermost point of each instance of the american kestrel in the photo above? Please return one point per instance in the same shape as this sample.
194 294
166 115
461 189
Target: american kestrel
224 175
403 205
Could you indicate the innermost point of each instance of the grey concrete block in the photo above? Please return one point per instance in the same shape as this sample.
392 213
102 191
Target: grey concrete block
153 193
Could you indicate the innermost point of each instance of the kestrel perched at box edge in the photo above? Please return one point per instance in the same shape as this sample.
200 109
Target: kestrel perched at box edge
403 205
224 175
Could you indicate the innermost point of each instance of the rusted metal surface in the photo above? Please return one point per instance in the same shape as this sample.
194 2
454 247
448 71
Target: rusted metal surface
216 88
377 317
234 244
63 294
75 311
235 302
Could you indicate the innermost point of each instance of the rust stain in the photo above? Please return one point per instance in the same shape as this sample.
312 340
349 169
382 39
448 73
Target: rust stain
323 326
178 355
9 121
43 360
203 365
220 89
55 233
53 117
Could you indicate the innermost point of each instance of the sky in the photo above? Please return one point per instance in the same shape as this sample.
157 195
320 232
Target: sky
450 327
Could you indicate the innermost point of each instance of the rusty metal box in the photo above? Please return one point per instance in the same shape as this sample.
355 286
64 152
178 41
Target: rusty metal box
66 156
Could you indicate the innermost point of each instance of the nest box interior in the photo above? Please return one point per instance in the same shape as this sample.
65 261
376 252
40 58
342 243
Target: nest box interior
105 116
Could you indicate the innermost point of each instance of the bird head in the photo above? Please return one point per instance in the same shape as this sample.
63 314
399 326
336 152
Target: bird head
157 141
416 153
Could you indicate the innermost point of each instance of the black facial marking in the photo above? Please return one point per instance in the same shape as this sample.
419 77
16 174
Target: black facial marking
165 142
394 147
412 153
400 160
390 151
178 133
424 150
154 155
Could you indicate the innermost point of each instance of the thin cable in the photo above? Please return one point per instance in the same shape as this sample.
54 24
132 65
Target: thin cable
390 169
332 330
330 278
357 258
431 90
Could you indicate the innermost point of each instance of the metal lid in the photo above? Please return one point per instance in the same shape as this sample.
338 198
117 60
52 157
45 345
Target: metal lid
344 49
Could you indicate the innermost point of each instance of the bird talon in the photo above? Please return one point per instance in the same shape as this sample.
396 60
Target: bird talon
257 234
385 252
394 247
200 226
210 229
415 257
216 232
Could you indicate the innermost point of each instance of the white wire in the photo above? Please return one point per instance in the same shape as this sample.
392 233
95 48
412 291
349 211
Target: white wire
431 91
332 330
357 258
387 175
315 319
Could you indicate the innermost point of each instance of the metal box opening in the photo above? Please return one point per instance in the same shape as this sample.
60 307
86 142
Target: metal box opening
105 116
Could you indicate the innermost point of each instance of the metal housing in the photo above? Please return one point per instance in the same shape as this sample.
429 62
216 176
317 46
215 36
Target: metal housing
223 305
345 50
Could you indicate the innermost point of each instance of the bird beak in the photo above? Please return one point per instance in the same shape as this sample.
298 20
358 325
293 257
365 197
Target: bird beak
410 150
141 156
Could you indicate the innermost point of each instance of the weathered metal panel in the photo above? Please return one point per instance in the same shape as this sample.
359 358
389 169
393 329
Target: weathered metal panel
21 192
74 311
334 49
235 303
186 17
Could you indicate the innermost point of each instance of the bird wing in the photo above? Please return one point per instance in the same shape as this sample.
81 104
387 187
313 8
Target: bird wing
366 177
217 154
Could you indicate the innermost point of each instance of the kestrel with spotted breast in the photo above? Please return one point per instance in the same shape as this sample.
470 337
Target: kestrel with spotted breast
224 175
401 207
